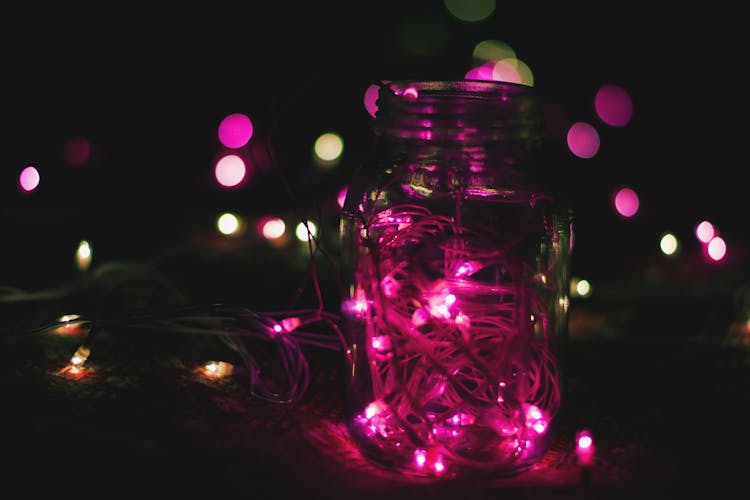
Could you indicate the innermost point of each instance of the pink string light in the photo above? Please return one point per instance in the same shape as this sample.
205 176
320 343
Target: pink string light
453 355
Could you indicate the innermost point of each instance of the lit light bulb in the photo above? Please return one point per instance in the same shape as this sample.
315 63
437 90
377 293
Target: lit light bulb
584 447
83 255
217 369
290 324
70 324
80 356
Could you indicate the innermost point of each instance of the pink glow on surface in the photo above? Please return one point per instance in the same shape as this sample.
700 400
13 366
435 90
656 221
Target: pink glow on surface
613 105
235 130
73 371
704 231
29 178
626 202
76 151
230 170
583 140
716 248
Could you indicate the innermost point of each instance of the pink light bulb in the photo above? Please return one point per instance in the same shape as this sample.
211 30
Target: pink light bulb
584 447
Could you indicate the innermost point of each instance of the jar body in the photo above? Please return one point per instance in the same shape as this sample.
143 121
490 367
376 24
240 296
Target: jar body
456 316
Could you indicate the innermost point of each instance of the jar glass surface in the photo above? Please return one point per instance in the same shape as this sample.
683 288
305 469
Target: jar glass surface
455 255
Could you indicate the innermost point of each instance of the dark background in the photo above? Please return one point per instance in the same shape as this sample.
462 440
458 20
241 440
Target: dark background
659 360
148 90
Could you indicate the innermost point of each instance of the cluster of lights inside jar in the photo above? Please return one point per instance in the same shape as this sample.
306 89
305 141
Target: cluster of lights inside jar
457 344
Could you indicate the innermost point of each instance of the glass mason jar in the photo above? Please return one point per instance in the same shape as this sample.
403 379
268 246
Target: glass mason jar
455 255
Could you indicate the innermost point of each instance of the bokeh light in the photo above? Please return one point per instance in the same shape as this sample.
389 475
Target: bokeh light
228 224
341 197
506 71
583 140
613 105
583 288
626 202
29 178
470 11
303 231
579 287
272 228
669 244
329 146
513 70
235 130
492 50
76 151
716 248
84 255
704 231
230 170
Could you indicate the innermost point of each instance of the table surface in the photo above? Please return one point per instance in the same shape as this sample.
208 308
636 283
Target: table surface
662 383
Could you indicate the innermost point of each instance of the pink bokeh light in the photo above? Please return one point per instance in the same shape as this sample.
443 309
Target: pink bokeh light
626 202
583 140
613 105
235 130
271 227
76 151
716 248
230 170
29 178
704 231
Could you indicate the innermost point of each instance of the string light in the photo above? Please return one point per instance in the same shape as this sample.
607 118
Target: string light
217 369
69 324
75 365
584 447
83 255
453 335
